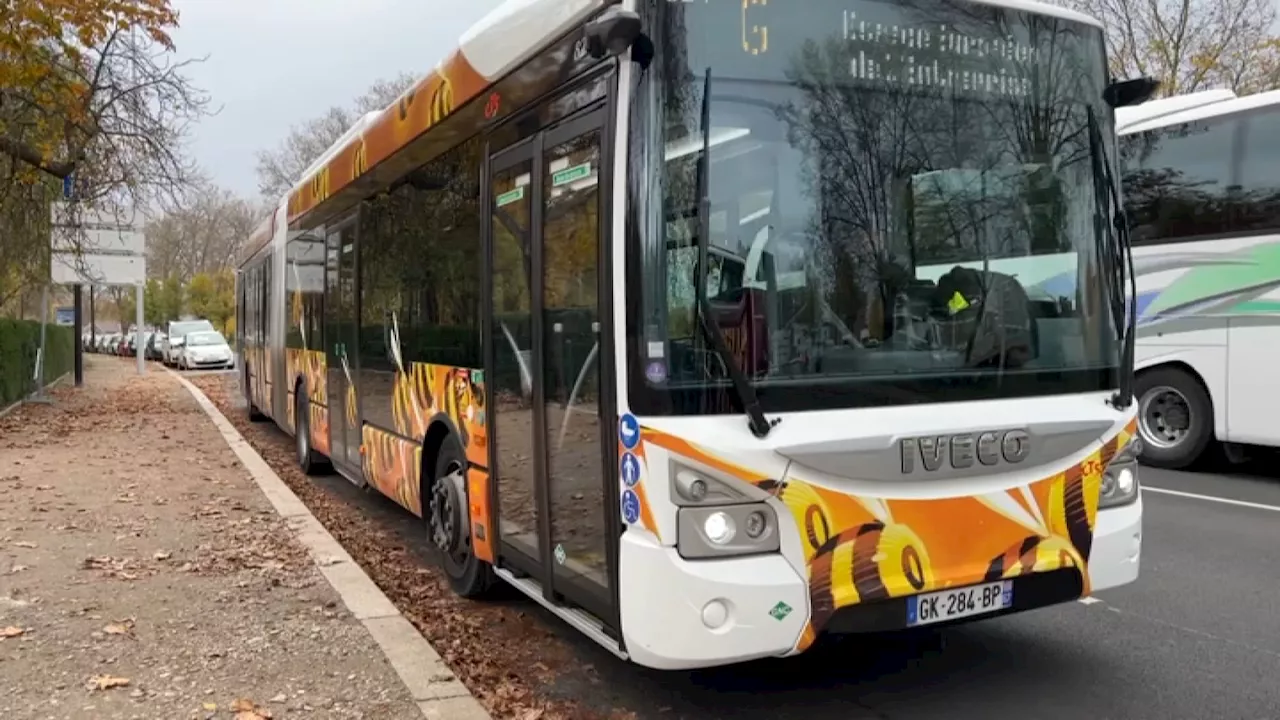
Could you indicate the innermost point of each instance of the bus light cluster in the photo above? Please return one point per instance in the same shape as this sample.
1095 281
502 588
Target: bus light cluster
717 520
1120 479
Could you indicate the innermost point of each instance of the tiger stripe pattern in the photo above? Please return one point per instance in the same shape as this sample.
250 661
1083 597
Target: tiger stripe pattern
864 549
393 465
423 392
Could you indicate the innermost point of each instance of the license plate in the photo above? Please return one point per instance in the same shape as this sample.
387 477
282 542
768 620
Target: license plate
959 602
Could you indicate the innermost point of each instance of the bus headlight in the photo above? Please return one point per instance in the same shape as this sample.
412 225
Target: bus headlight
726 531
1120 478
719 528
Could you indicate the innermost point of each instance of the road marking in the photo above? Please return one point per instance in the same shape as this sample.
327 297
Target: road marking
1212 498
1088 600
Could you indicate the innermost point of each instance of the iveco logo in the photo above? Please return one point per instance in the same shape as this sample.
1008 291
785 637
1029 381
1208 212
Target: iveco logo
962 451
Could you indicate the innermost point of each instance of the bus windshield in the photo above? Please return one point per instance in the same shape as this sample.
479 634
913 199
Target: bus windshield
900 203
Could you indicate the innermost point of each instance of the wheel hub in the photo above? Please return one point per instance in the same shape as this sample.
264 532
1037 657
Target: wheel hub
1164 417
448 522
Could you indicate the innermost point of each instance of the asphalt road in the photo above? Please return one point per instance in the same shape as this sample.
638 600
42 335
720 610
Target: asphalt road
1198 636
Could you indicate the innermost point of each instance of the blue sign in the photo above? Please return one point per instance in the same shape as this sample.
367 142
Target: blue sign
68 186
630 507
630 469
629 431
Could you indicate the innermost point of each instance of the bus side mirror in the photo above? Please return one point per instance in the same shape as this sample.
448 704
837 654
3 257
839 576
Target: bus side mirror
1135 91
612 33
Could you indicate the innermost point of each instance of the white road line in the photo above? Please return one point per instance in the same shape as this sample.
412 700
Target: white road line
1211 498
1088 600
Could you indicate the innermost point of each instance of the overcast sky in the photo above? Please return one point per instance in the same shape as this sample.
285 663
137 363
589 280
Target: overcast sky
275 63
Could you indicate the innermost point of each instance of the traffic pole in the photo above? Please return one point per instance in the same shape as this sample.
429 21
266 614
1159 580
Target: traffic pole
79 323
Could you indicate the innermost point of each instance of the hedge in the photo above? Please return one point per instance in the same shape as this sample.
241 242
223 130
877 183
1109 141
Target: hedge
19 341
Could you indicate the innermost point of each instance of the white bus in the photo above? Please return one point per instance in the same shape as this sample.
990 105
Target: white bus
632 304
1202 189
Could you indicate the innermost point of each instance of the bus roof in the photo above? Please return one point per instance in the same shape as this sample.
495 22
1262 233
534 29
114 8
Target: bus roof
502 40
1203 111
1152 109
497 44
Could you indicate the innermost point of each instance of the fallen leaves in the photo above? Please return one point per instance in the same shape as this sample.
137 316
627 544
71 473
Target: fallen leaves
120 568
249 710
490 648
121 627
107 682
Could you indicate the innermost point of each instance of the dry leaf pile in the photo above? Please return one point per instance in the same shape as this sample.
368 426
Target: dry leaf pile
503 654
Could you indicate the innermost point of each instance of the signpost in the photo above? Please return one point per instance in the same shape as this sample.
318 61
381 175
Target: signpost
94 247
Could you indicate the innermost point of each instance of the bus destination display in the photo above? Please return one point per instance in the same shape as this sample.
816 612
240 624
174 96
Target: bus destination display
941 46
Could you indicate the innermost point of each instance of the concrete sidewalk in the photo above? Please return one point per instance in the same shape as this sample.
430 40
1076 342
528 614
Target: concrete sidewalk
144 574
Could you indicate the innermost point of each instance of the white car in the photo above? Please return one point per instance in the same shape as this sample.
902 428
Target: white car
171 350
205 350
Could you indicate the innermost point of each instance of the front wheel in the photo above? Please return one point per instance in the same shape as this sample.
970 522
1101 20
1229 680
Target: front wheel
1175 418
310 461
449 523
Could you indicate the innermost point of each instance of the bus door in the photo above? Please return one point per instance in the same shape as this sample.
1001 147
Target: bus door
342 348
552 454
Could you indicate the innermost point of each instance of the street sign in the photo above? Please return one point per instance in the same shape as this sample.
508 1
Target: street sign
96 247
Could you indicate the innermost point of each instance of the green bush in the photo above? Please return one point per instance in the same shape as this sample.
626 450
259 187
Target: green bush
19 341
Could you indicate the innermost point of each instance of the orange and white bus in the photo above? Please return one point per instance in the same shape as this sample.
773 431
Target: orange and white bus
632 303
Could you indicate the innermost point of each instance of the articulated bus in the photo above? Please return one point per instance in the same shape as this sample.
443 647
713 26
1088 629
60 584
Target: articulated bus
680 317
1202 185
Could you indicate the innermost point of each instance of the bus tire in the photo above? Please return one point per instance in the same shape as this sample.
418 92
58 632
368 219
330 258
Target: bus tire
448 520
1175 417
309 460
255 415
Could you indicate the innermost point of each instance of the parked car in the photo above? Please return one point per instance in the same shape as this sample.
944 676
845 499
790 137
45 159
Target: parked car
155 345
175 337
205 350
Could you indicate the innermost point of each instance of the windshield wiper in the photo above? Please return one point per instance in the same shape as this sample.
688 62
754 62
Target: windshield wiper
1111 234
759 424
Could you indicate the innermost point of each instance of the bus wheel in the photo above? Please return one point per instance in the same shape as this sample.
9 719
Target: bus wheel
1175 418
311 462
255 415
449 522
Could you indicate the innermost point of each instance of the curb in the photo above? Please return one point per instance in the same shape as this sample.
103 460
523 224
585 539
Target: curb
439 694
23 401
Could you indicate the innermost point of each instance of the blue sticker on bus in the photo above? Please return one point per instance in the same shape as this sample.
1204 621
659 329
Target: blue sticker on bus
629 431
630 469
630 507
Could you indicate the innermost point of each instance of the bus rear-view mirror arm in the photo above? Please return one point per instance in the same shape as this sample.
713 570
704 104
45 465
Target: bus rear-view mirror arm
1126 93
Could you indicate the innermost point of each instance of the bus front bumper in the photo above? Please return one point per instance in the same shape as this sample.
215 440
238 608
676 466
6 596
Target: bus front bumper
678 614
1117 546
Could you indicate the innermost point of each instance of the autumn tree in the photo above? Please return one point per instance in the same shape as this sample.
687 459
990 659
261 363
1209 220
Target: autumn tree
154 312
91 89
1191 45
203 236
91 95
280 168
212 296
171 299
